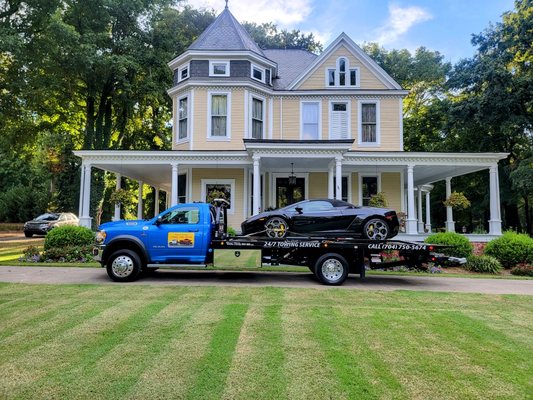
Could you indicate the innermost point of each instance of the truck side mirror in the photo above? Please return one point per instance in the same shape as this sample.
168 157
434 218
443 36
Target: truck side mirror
159 220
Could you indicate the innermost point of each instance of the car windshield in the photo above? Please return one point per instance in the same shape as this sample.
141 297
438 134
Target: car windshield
47 217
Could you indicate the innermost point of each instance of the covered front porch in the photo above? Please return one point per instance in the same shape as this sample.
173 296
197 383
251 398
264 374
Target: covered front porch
273 168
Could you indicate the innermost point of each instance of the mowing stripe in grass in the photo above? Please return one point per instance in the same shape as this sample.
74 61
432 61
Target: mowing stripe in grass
257 370
212 370
66 357
360 372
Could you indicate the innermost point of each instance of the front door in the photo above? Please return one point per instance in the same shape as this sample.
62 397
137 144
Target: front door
288 194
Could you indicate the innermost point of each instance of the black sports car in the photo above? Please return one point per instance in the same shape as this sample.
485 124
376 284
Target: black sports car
324 217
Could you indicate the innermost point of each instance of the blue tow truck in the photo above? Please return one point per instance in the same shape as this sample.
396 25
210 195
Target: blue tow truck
189 234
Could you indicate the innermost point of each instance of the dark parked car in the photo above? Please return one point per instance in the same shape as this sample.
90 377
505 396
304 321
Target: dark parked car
324 217
44 223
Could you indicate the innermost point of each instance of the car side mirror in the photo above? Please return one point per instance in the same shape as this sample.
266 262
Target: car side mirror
299 210
158 221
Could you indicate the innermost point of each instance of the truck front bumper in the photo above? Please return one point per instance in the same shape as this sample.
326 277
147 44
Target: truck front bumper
98 250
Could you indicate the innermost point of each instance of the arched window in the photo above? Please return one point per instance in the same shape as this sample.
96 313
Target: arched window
342 75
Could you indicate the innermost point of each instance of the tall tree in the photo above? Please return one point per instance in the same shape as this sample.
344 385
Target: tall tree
268 36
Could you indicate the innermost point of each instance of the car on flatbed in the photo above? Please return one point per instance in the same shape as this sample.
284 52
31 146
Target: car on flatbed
189 234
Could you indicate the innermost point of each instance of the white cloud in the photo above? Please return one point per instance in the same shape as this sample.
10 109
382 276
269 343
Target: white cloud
283 13
400 20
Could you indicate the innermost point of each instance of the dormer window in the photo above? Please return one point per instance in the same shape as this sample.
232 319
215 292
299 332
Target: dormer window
342 75
258 73
218 68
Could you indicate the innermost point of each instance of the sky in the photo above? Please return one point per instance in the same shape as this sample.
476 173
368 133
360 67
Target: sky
443 25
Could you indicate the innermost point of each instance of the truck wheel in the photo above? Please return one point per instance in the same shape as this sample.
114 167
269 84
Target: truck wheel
331 269
124 266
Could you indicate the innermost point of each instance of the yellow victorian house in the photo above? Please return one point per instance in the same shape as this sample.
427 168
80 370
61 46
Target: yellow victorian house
272 127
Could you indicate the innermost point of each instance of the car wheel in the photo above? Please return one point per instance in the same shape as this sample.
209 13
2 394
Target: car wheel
376 229
28 234
331 269
124 266
276 227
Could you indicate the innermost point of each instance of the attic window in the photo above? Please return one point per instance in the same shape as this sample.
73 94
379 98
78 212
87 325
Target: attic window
258 73
342 75
183 72
218 68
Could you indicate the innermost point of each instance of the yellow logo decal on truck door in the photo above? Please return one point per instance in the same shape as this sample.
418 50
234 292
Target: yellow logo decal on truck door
180 239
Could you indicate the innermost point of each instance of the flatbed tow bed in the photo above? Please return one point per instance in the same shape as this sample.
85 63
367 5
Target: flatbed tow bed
332 258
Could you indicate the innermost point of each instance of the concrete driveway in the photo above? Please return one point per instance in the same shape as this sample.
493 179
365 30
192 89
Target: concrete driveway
69 275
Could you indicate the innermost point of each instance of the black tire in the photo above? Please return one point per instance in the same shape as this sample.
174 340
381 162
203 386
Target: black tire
124 266
331 269
28 234
376 229
276 227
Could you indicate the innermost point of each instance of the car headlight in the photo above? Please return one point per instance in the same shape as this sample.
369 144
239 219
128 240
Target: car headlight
100 237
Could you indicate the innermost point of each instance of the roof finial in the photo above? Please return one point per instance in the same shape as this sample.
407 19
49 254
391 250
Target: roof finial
226 4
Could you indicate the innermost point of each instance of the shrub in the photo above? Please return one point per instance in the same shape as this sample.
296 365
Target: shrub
483 264
511 249
231 231
378 200
69 254
31 254
68 235
461 245
522 270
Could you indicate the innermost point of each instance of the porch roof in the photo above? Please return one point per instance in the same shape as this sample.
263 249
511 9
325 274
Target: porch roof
153 167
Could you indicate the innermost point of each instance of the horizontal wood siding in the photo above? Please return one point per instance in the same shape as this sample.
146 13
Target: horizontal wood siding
318 185
391 186
317 80
291 119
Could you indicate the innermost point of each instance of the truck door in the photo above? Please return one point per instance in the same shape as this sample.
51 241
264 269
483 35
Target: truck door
180 237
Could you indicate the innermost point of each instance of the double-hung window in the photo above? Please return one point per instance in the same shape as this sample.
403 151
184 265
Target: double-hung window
369 123
183 118
219 115
257 118
310 113
369 187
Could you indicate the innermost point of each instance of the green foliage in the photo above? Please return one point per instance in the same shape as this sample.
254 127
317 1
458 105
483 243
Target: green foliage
457 200
511 249
522 270
267 36
69 254
378 200
22 203
461 246
231 231
483 264
121 196
68 235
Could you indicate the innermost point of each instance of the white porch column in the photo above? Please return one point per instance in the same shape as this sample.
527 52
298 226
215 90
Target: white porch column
256 185
410 223
167 201
174 193
419 212
85 218
118 186
450 223
140 202
156 201
428 212
338 178
82 186
331 180
495 222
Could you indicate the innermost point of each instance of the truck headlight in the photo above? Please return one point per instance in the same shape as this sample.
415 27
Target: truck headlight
100 237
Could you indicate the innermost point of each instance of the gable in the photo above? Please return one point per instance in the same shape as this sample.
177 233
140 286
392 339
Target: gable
370 75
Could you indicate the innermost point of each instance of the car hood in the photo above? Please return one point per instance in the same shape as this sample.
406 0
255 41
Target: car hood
36 221
124 224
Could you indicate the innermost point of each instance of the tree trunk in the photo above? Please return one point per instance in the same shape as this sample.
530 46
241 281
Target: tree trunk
527 215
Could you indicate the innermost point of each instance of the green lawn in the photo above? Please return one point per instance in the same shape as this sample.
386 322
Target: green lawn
12 250
108 342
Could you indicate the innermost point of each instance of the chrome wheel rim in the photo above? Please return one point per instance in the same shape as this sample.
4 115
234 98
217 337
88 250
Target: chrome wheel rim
122 266
377 229
332 269
276 228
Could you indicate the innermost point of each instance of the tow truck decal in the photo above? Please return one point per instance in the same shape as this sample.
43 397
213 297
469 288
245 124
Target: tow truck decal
180 239
286 244
396 246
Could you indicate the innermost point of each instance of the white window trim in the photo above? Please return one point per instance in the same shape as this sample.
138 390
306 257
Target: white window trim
228 117
337 75
186 138
230 182
360 143
360 185
180 69
211 67
263 72
348 110
302 102
250 115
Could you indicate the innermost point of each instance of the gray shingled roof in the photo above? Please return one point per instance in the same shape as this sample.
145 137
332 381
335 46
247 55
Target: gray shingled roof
291 63
225 33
